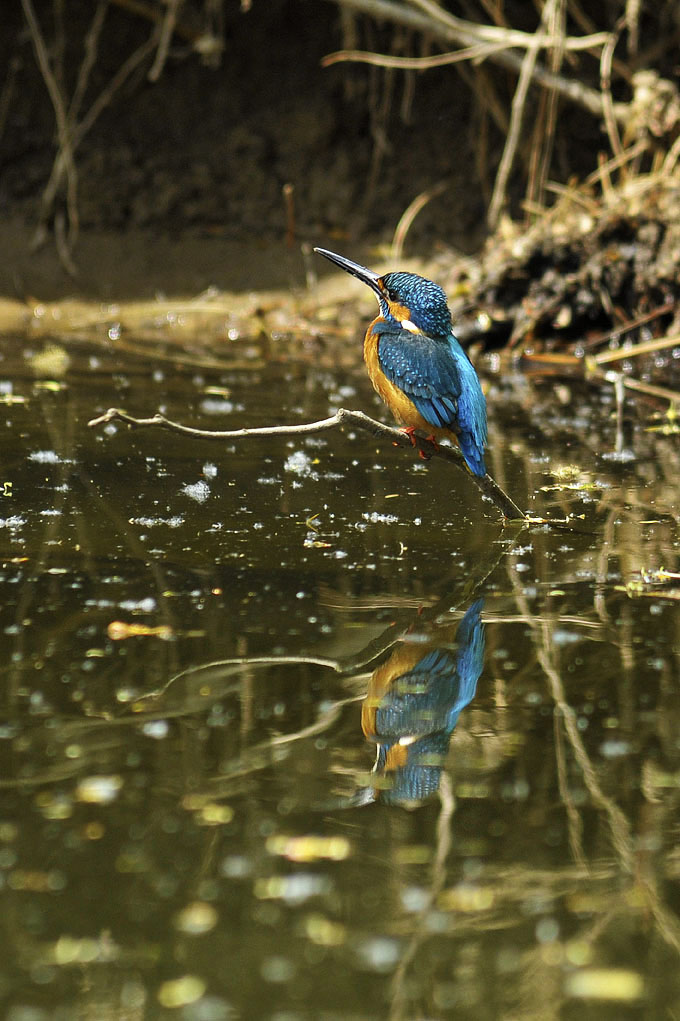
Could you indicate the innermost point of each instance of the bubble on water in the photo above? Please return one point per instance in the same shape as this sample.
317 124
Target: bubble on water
620 456
208 1008
547 930
214 406
44 457
13 523
146 605
614 749
145 522
198 491
300 463
414 898
236 866
562 637
293 889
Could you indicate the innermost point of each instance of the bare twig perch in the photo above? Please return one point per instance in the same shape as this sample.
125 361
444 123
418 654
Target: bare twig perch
342 417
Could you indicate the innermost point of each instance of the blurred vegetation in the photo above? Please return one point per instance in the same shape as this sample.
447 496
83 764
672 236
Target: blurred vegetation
565 119
553 89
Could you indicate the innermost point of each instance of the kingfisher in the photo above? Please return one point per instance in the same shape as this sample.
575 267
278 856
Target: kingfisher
417 365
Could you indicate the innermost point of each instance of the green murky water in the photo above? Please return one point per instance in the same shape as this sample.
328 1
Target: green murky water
291 728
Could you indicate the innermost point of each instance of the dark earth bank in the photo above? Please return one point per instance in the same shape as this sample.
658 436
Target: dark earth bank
205 151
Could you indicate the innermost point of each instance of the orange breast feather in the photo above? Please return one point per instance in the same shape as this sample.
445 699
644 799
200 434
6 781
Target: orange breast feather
403 409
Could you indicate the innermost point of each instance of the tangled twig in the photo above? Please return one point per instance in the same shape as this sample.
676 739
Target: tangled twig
71 131
452 30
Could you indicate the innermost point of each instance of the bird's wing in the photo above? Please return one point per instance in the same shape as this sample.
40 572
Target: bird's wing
426 371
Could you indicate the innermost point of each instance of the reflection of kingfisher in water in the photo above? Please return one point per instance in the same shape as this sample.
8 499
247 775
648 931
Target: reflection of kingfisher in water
412 707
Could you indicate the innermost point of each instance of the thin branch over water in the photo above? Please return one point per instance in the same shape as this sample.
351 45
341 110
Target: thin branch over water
486 484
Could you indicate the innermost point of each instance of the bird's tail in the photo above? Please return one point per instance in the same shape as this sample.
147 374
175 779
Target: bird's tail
473 452
471 417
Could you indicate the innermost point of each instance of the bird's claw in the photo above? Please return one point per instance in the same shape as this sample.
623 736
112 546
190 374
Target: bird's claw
411 433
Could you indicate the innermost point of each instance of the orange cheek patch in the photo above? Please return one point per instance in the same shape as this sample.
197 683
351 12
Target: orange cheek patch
403 315
399 311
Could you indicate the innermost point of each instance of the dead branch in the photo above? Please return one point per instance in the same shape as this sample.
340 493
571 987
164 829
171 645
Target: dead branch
486 484
70 132
605 85
643 348
474 53
167 30
408 216
8 92
91 48
517 113
443 26
64 126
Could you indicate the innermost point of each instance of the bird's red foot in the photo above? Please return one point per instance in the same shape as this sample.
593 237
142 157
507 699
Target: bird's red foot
410 432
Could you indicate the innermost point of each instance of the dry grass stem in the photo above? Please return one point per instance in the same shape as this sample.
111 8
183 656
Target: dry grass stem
647 389
474 53
409 215
605 86
70 132
512 141
89 60
607 166
167 29
648 347
64 127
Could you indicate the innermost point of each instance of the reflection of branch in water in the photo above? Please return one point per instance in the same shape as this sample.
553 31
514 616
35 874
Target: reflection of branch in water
399 1007
254 758
444 605
208 682
259 756
574 820
394 633
620 826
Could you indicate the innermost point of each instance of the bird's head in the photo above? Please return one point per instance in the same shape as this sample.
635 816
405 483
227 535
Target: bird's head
417 304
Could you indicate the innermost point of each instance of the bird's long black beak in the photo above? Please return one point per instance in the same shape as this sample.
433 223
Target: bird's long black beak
366 276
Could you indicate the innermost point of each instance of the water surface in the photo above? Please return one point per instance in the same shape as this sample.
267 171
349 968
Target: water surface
294 728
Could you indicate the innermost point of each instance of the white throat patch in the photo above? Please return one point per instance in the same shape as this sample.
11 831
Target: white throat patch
411 327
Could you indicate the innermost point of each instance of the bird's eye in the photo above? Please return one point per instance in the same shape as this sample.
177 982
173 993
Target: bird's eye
392 295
